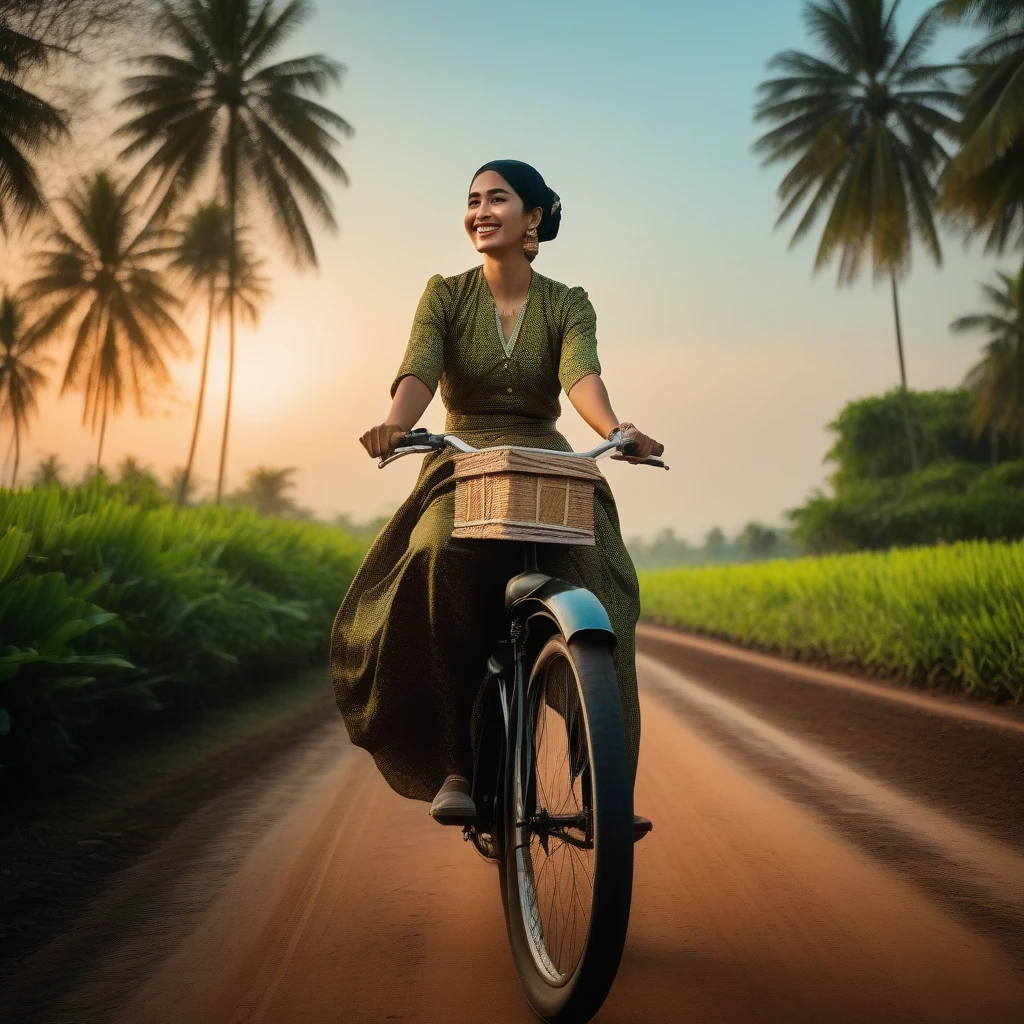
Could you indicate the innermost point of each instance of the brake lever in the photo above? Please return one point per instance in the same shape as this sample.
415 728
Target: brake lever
405 450
418 440
649 461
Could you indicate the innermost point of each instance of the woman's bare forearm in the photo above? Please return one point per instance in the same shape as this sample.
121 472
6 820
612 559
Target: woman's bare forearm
411 399
410 402
590 398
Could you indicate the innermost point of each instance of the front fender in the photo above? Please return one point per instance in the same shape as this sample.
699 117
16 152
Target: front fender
573 608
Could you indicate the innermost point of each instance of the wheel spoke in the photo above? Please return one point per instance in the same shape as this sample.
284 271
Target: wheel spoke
556 873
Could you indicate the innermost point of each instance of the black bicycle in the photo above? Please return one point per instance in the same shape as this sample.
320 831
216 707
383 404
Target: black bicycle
551 779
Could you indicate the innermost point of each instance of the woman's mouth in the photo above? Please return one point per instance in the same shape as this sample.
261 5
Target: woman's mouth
487 229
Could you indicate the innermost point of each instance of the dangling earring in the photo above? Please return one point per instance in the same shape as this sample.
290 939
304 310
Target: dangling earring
531 246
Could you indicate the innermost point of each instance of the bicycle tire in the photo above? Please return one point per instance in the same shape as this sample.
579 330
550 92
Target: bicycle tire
568 986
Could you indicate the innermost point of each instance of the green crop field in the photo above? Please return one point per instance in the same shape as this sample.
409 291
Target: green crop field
952 613
115 617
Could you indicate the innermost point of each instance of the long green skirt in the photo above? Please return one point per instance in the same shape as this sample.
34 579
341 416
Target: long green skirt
411 639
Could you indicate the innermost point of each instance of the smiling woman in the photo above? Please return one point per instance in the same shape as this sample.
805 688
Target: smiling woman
411 640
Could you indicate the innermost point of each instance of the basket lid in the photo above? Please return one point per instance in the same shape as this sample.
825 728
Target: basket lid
513 459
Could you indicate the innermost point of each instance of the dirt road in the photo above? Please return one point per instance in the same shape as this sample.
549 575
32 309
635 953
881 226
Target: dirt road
784 881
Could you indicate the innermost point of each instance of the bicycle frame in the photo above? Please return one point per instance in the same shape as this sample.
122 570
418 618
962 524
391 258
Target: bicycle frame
537 604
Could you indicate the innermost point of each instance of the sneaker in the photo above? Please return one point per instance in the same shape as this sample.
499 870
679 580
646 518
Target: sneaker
641 826
453 805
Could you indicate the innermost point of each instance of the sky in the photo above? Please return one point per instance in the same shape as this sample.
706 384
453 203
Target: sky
715 337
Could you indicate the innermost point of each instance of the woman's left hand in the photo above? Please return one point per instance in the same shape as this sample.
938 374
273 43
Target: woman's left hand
645 446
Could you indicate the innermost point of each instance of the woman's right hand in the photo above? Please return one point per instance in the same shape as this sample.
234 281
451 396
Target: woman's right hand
380 441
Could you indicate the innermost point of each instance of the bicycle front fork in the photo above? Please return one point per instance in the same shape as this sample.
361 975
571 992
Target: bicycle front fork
530 547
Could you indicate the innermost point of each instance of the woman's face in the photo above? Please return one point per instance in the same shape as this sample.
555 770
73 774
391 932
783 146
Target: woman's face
495 219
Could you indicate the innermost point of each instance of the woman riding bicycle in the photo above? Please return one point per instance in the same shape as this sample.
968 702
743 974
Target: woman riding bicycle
410 643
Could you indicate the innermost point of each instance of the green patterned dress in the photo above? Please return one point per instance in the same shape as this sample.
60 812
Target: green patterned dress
410 642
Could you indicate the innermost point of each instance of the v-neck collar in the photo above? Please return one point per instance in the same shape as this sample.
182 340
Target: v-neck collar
508 346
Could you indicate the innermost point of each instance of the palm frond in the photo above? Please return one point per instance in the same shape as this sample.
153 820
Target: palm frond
921 37
861 126
271 28
982 12
101 281
180 101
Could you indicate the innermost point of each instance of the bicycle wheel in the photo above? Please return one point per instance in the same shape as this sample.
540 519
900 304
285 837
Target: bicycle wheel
567 877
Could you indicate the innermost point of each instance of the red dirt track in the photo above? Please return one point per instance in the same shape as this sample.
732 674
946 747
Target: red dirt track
784 881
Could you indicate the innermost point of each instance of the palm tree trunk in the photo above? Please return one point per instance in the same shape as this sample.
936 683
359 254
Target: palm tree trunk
232 210
17 454
183 488
915 460
1020 394
1020 360
103 434
10 448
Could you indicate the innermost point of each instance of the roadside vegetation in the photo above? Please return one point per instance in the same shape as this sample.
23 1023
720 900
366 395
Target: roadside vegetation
118 618
970 485
946 615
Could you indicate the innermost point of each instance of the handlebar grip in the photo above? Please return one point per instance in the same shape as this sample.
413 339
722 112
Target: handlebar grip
417 436
421 437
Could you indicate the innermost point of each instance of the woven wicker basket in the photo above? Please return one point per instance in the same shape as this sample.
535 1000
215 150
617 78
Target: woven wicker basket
518 494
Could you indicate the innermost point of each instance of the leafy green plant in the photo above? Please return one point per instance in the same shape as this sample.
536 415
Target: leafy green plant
947 502
949 612
115 617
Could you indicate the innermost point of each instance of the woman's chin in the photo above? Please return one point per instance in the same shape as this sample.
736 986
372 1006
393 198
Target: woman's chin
486 249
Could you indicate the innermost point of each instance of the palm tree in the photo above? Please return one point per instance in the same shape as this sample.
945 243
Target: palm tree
178 488
137 484
21 374
49 471
758 540
985 182
216 102
99 280
131 471
200 254
862 126
998 379
265 490
714 540
27 124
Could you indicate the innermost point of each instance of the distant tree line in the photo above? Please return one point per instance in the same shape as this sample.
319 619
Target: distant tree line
267 489
969 485
755 542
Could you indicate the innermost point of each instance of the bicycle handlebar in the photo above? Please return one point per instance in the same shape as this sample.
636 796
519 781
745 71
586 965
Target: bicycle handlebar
421 440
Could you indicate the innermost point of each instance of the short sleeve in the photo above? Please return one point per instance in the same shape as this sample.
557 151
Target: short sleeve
424 355
579 340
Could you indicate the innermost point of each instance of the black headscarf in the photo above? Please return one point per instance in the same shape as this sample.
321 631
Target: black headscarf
528 184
